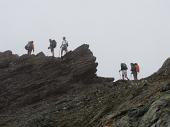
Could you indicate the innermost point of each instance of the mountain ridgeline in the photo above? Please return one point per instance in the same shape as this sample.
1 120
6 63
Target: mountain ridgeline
41 91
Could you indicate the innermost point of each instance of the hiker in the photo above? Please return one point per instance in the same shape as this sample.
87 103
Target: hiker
53 45
64 46
124 71
135 70
30 47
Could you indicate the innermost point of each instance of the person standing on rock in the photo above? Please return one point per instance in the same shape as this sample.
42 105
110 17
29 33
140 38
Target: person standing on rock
124 71
135 70
64 46
30 47
52 46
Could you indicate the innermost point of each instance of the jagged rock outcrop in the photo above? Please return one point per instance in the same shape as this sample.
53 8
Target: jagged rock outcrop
163 72
28 83
40 91
165 69
28 79
146 103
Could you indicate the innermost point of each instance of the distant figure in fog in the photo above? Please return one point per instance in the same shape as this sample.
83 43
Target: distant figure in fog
64 46
30 47
52 46
124 71
135 70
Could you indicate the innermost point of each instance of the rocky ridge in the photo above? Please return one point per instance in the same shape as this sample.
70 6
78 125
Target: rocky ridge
40 91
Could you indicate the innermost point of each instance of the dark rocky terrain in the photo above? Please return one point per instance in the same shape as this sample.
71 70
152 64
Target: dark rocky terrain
40 91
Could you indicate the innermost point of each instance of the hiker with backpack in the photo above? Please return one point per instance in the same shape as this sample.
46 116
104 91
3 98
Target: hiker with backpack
64 46
135 70
124 69
30 47
53 45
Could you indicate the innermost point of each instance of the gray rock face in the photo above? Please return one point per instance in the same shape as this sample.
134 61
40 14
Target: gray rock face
40 91
165 69
41 54
29 80
154 115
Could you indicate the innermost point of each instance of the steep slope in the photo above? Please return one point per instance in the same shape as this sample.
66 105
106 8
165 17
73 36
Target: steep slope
40 91
146 102
34 86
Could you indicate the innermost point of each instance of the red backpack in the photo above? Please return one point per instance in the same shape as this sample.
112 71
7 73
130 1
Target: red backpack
137 68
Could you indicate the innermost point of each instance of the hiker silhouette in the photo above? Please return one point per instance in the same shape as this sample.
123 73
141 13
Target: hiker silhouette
64 46
30 47
52 46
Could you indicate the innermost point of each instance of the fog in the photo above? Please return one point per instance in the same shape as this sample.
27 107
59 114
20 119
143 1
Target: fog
116 30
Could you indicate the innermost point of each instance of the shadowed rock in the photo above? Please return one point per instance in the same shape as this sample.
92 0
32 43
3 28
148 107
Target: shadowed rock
41 91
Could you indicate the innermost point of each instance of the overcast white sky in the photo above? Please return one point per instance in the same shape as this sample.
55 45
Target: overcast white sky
116 30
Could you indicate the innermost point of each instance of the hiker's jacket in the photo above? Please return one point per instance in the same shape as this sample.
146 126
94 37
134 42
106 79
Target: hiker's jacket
64 44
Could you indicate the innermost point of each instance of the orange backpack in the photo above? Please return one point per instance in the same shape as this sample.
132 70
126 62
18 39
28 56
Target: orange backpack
137 68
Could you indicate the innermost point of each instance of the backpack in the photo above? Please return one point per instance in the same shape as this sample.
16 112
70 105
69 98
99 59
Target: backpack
137 68
123 66
54 43
27 47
